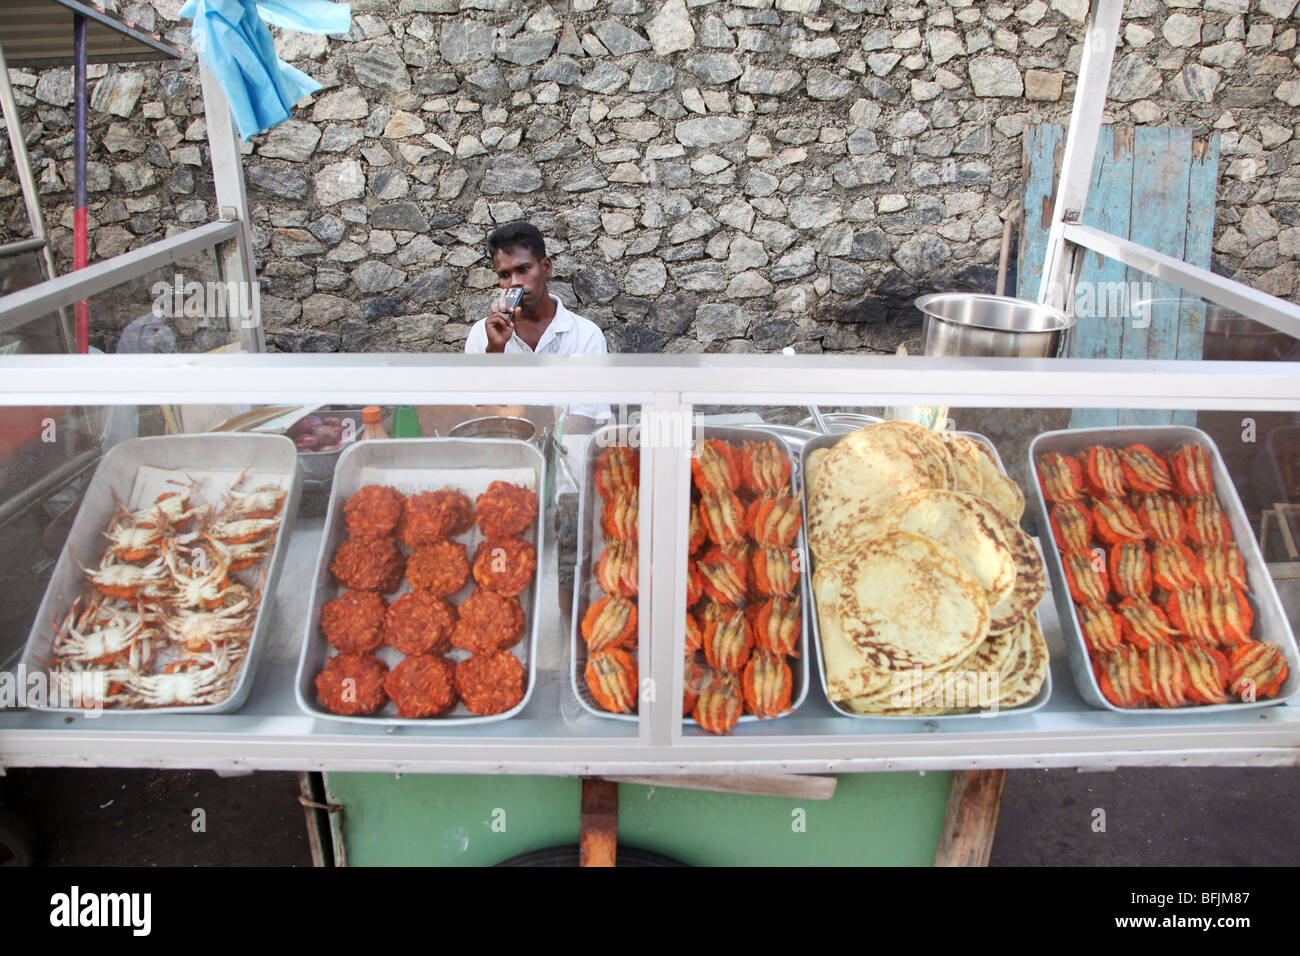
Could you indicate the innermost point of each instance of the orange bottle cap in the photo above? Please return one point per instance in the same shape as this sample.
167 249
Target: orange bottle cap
371 415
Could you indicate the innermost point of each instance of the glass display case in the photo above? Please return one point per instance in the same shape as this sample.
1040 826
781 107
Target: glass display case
663 406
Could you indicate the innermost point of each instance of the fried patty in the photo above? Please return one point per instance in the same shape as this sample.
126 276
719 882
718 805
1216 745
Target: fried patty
490 683
423 685
505 510
352 684
419 623
488 622
354 621
368 564
434 516
505 566
374 511
441 568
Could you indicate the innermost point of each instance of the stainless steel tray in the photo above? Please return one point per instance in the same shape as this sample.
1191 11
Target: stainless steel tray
826 441
217 451
591 540
447 457
1270 618
586 590
799 669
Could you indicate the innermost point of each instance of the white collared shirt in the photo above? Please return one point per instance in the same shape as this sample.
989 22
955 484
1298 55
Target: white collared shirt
568 334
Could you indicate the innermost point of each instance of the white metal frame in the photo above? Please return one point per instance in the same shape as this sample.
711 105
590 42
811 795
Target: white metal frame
1070 735
666 385
1067 236
230 237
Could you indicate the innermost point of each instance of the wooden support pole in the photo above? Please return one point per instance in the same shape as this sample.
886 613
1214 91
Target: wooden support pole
598 840
972 818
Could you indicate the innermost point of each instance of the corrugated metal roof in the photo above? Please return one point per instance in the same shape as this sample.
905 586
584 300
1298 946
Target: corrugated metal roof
39 33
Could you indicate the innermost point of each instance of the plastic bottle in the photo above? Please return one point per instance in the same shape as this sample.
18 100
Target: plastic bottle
406 423
374 427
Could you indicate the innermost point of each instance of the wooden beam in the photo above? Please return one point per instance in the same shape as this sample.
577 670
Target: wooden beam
598 840
972 818
794 785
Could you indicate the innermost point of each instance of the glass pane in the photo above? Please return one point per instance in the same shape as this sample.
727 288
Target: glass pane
184 307
1243 507
521 585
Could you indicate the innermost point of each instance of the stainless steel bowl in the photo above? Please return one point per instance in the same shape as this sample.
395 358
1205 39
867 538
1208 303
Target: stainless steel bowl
495 427
1231 337
962 323
840 423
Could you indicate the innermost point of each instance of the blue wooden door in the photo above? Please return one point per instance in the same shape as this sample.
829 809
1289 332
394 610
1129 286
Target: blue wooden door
1155 186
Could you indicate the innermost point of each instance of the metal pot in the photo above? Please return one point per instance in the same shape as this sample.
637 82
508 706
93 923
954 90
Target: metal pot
839 423
1232 337
963 323
495 427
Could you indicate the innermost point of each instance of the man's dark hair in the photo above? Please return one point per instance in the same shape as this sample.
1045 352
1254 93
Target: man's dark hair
515 234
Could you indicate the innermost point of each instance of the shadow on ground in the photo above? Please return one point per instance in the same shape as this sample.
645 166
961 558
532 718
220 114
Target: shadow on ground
1153 817
149 818
1220 816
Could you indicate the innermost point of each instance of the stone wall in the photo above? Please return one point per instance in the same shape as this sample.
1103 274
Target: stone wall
725 175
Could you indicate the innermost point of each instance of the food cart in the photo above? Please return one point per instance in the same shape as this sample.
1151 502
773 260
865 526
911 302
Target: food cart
553 735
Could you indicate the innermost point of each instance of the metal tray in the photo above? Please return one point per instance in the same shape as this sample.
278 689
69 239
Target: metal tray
799 668
591 540
447 456
216 451
1270 618
826 441
586 590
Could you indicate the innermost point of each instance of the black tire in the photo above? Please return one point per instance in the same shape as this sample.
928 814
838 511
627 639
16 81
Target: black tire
17 840
568 856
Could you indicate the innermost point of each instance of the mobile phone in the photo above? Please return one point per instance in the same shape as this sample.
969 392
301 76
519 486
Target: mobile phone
512 297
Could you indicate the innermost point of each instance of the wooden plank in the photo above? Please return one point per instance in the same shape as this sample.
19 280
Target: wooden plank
1201 191
1161 166
1102 295
310 807
598 840
793 785
972 818
1041 164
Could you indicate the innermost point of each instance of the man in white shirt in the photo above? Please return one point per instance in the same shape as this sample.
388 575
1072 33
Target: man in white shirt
540 324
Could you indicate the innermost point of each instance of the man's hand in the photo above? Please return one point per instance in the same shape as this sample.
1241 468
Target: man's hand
500 326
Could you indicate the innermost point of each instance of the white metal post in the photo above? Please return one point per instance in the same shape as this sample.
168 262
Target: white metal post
665 427
236 259
1080 143
31 196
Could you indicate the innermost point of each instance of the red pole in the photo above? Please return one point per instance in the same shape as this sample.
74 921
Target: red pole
80 256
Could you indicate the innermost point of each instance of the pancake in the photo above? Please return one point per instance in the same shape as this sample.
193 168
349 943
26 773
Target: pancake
1000 491
901 601
1031 583
965 461
853 486
935 448
967 526
1029 671
810 463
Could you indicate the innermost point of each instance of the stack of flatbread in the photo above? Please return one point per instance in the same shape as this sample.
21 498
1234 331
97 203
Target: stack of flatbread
925 585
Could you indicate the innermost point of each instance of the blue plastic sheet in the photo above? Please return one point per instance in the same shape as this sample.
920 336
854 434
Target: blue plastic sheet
233 41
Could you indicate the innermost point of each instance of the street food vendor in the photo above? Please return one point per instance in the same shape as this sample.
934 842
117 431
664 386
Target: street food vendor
540 323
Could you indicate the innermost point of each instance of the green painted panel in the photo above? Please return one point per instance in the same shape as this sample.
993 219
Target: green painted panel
875 819
886 819
452 820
